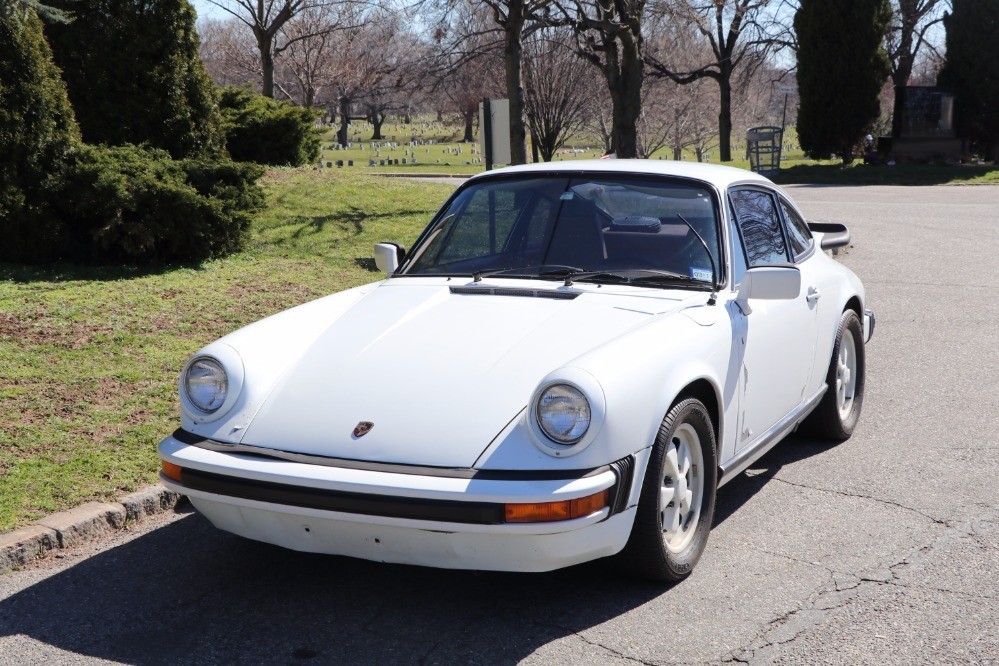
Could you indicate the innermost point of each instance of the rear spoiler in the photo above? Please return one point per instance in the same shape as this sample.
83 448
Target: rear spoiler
830 234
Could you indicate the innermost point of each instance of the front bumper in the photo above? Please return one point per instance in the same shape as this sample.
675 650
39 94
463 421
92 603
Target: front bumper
440 521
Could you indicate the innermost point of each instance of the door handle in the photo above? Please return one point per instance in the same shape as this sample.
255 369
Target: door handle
813 295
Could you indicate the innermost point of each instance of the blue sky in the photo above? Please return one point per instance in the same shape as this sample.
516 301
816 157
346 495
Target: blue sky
206 9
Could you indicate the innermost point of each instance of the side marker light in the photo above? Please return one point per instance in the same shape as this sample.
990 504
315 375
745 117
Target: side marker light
172 471
547 512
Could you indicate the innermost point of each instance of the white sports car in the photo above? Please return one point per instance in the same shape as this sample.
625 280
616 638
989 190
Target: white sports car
567 365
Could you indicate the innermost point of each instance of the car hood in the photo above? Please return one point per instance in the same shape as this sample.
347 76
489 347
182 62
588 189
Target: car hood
438 374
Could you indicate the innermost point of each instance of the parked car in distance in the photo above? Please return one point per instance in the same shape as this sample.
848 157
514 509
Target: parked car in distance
567 365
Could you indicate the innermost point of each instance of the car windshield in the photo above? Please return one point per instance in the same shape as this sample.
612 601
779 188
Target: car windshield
599 227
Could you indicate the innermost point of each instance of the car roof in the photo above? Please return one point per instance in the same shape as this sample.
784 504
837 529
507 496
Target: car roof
720 176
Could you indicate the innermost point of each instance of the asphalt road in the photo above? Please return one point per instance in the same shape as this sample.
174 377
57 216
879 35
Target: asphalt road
883 549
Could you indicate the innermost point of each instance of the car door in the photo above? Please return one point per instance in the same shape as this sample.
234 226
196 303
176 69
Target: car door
815 283
779 335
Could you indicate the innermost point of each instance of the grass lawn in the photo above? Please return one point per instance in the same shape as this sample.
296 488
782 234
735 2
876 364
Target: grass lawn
89 358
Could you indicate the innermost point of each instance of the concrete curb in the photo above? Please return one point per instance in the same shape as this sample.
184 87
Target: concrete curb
68 529
466 176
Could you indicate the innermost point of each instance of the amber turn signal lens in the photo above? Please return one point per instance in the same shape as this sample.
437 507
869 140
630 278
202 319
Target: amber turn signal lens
172 471
547 512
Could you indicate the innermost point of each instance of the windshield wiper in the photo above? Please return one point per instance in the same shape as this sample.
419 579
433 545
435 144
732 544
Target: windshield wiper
478 275
711 258
589 275
672 278
543 270
654 275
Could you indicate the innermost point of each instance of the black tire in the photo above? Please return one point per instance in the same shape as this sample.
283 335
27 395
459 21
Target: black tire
647 555
827 421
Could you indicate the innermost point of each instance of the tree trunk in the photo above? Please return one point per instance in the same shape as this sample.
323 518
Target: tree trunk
626 96
265 43
846 152
376 122
900 79
677 145
470 112
513 53
342 135
725 114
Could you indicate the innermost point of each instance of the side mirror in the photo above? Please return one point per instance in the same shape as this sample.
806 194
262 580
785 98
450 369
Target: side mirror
832 235
772 283
388 257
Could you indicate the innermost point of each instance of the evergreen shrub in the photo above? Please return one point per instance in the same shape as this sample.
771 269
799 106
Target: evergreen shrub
262 130
132 205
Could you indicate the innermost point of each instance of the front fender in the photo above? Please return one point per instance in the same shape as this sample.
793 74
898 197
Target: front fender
267 349
641 374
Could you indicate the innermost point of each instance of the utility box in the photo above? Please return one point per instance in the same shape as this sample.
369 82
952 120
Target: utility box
494 131
763 148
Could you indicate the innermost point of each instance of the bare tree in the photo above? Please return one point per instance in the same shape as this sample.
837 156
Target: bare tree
912 20
365 63
266 18
230 56
516 18
555 102
676 116
738 32
609 36
307 45
467 62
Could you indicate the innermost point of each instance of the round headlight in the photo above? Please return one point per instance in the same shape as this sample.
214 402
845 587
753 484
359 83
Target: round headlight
206 384
563 414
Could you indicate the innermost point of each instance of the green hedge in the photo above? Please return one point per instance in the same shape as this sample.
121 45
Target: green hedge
259 129
37 130
132 205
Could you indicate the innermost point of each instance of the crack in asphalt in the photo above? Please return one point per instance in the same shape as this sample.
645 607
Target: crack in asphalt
796 559
816 609
616 653
879 500
971 532
426 655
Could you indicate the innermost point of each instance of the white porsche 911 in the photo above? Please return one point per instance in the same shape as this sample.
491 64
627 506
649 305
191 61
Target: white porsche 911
567 365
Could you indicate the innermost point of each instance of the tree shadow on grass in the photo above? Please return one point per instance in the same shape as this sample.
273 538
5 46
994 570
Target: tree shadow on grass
351 220
367 264
64 272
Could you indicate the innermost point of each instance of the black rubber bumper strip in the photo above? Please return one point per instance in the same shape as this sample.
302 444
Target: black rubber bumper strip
479 513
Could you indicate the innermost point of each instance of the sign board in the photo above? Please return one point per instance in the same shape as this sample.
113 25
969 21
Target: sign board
787 90
494 131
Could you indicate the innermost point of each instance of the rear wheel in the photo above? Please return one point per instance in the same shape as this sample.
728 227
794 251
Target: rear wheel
838 413
677 503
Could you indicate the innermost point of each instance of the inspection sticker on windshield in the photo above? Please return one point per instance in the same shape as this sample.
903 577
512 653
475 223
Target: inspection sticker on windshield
566 196
700 273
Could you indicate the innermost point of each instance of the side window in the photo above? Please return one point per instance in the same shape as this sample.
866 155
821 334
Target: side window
797 230
760 225
738 254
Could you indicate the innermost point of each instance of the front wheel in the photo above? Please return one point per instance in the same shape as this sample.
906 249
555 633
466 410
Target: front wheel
677 503
838 413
